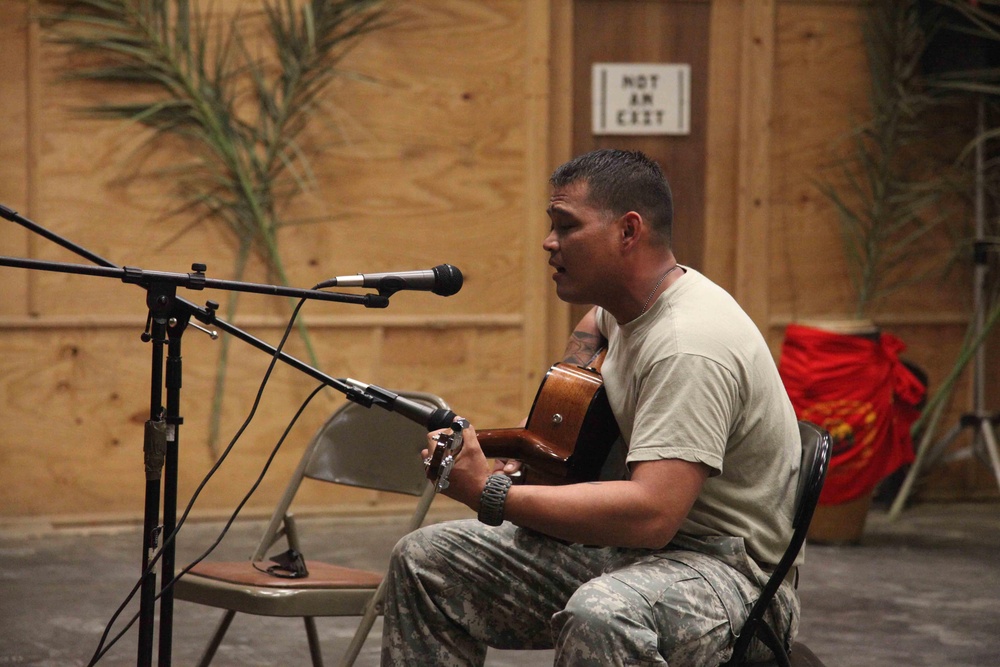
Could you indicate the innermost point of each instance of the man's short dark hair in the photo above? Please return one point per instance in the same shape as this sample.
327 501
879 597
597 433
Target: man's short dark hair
622 181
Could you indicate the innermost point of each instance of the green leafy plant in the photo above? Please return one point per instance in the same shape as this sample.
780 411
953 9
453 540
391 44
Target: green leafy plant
891 189
239 112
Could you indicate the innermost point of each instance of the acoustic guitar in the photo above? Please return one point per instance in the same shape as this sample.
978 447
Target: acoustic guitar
566 439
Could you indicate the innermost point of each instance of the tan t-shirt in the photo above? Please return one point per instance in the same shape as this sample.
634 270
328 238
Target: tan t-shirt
693 379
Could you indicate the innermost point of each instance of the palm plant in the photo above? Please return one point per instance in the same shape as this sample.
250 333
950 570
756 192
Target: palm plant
240 116
888 205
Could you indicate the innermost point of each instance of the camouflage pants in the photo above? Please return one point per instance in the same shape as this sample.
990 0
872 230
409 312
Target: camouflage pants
457 588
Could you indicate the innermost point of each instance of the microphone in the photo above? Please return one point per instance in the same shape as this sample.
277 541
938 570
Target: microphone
430 417
443 280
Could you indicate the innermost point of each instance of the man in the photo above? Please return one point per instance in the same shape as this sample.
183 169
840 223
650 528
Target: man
660 567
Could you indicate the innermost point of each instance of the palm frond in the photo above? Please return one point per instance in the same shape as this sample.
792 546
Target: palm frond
197 76
240 115
887 205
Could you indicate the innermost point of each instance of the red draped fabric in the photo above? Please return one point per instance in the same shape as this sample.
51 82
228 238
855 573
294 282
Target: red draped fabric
856 388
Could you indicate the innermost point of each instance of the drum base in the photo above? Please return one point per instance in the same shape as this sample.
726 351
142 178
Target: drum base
840 524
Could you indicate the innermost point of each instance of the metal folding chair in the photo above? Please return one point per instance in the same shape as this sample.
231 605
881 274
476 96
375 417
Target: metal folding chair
357 446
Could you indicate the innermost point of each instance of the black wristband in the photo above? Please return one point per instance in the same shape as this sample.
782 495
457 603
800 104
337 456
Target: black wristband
493 499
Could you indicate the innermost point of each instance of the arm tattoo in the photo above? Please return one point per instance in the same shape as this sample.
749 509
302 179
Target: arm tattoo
582 347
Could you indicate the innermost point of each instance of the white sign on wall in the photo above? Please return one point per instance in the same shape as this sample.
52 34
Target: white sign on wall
641 98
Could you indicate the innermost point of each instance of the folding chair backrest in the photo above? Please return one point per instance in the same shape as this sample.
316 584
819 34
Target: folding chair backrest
372 448
817 448
364 447
816 451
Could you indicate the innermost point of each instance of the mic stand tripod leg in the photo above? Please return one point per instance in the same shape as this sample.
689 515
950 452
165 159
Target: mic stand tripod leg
983 438
927 454
986 427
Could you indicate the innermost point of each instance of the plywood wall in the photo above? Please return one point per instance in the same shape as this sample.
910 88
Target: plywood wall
441 157
428 161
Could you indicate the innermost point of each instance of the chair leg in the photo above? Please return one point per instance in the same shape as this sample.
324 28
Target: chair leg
213 644
314 650
372 610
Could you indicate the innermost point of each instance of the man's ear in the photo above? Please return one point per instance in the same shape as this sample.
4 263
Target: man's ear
631 228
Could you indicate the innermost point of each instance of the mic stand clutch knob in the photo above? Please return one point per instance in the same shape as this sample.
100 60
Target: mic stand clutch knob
214 335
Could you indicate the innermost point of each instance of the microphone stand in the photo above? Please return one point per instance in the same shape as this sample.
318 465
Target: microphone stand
168 318
979 420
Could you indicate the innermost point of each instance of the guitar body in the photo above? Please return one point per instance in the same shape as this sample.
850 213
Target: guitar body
569 432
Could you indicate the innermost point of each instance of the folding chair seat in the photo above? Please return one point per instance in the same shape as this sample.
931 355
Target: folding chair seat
816 450
359 447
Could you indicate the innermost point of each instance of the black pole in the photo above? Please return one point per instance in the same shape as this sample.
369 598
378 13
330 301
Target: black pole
159 298
176 325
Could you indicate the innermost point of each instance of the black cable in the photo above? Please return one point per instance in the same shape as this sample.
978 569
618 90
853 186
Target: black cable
249 494
225 529
101 650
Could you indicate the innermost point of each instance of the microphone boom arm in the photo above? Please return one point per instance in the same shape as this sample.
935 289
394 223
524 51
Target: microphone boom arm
357 392
195 280
352 390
